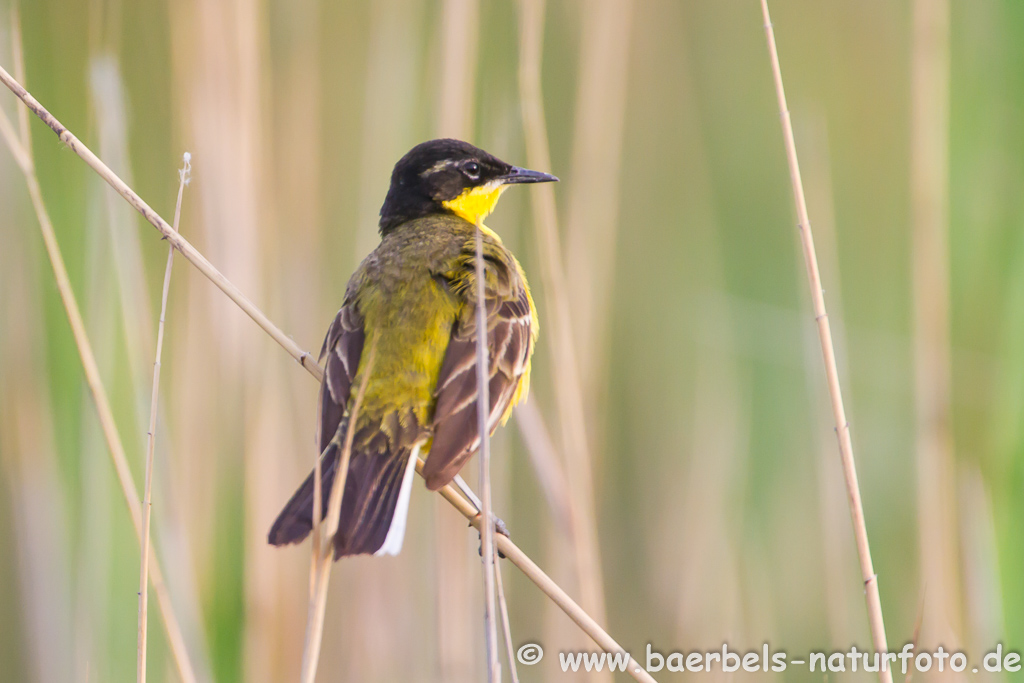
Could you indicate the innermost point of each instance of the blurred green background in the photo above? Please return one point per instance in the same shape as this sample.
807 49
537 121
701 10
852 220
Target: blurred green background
719 505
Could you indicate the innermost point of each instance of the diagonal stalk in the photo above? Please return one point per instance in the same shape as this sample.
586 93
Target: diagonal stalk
874 603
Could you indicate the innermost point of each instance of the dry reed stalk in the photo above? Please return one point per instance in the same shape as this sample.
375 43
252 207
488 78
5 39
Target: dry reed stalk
22 153
314 546
709 576
147 496
391 110
591 229
929 204
483 405
505 545
591 225
874 603
40 532
51 645
506 627
220 81
567 382
98 508
983 594
835 534
458 32
323 543
459 24
546 466
288 190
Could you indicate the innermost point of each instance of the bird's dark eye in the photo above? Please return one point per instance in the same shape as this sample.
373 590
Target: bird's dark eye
472 170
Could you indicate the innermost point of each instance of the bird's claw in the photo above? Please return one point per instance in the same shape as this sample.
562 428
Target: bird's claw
499 528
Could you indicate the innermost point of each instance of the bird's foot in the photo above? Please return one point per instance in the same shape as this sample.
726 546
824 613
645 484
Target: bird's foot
499 528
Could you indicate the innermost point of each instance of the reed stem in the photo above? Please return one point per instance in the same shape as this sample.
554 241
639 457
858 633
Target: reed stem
147 496
874 603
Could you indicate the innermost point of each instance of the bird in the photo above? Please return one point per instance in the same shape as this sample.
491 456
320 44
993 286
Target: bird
411 306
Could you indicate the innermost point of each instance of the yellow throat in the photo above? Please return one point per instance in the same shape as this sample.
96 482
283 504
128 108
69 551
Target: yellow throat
476 203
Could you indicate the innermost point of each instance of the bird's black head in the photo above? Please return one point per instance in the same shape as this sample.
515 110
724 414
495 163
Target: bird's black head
449 176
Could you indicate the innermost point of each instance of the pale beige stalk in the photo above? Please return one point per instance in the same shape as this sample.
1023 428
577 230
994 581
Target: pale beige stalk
506 627
874 603
39 514
483 404
458 606
836 536
937 509
592 215
546 466
147 496
323 536
512 552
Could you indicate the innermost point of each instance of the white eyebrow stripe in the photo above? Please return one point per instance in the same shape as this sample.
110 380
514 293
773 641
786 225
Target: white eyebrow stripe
440 165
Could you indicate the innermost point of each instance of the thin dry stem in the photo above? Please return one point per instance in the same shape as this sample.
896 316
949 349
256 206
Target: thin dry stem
505 626
836 536
320 569
338 489
11 138
458 29
18 50
22 153
874 603
460 20
483 404
147 496
314 546
511 551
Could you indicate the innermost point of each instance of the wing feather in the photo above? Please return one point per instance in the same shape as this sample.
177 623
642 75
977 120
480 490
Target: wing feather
342 348
510 336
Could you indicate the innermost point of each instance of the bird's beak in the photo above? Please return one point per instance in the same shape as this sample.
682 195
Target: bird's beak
524 175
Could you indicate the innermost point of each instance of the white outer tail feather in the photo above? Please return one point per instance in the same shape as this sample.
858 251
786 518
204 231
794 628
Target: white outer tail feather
396 532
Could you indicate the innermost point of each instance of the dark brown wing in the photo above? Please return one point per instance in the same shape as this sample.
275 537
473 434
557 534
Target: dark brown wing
342 349
510 345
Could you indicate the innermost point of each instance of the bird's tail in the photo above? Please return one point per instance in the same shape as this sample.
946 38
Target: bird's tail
374 507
